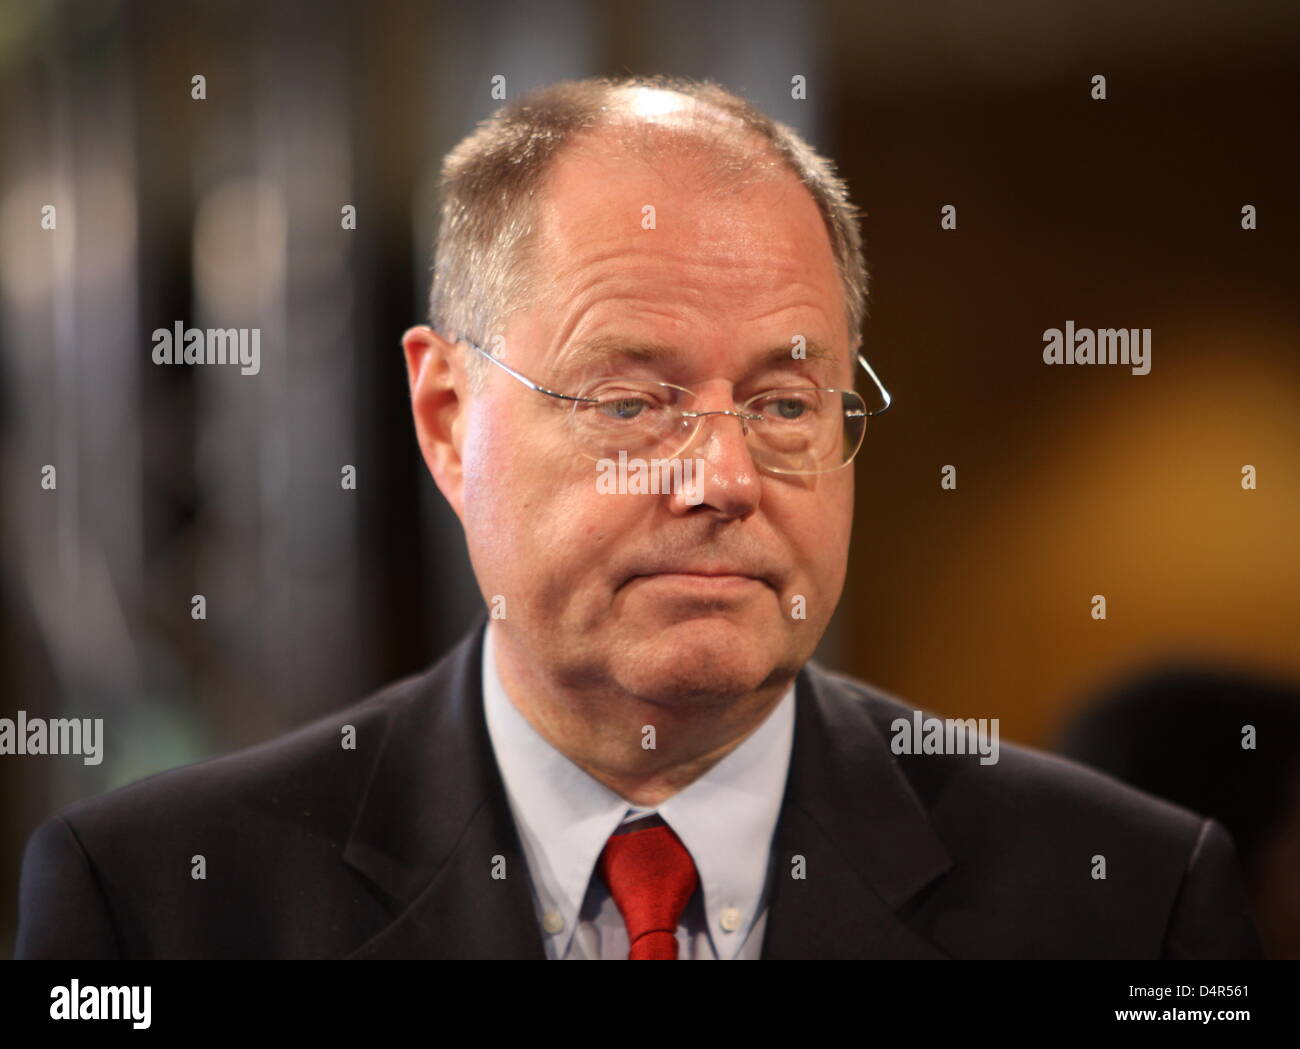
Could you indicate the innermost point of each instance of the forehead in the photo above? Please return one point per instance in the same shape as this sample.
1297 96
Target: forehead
654 217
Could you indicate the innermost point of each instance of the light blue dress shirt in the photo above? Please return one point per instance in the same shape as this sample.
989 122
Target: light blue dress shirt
726 820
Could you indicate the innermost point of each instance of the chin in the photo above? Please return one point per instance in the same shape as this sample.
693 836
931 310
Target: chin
698 659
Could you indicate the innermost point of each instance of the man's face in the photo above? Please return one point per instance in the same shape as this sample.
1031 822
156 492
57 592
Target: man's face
672 602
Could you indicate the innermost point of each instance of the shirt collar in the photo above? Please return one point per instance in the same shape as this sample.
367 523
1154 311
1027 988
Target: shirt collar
725 818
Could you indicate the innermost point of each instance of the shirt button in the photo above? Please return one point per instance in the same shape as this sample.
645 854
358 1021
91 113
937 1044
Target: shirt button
552 921
730 919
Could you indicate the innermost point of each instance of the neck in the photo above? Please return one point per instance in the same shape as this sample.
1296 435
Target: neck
644 751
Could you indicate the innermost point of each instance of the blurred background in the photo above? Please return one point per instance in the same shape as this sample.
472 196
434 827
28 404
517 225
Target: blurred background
973 602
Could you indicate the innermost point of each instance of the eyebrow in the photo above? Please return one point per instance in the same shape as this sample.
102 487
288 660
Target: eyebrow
604 348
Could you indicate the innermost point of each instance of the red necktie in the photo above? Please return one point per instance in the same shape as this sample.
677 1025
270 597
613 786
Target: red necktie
651 877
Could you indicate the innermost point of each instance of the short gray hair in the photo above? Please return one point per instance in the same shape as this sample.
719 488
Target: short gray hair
492 179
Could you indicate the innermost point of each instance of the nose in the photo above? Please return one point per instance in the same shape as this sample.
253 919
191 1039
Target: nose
730 483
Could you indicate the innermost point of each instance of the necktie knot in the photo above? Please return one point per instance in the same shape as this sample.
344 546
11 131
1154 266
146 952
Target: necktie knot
651 877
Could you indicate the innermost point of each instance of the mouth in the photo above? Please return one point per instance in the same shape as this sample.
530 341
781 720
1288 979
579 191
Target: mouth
706 579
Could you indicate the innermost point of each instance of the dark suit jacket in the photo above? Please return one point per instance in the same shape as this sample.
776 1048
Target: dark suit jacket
386 851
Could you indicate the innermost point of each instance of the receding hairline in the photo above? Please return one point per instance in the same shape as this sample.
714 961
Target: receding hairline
695 129
721 155
725 159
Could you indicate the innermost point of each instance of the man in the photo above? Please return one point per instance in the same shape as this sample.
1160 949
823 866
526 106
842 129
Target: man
641 394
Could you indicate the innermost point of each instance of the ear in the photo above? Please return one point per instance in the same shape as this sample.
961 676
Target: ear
439 389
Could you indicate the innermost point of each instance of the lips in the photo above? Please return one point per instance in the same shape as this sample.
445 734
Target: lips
722 573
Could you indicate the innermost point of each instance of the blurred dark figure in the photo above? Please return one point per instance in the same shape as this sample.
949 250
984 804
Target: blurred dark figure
1181 733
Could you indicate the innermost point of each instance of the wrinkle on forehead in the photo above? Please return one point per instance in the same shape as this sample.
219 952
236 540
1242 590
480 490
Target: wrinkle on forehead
589 229
579 237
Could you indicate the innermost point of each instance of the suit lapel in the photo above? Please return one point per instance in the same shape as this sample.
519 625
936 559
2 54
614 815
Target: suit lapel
866 842
434 825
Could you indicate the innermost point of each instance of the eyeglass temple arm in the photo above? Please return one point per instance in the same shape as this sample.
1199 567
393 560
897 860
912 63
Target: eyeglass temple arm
879 385
523 378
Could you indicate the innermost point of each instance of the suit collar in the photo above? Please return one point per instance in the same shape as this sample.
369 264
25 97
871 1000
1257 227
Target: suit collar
866 843
434 827
434 818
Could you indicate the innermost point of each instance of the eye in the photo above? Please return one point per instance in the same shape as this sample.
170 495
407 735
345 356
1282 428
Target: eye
624 401
789 405
623 408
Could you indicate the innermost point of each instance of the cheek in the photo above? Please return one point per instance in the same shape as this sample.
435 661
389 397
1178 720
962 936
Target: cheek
531 507
502 481
822 528
485 474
